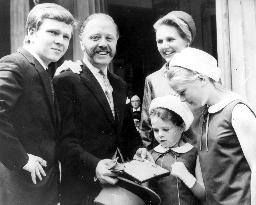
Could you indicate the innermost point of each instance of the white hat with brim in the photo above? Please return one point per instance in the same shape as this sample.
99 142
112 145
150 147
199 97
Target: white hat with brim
174 103
197 60
127 192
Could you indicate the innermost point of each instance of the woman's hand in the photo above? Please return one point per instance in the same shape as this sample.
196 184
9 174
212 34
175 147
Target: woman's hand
75 67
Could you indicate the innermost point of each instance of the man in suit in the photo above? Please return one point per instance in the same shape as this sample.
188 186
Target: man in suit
136 110
28 115
94 126
135 102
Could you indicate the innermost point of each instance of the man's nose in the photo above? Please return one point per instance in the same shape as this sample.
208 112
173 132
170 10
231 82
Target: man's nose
102 42
59 39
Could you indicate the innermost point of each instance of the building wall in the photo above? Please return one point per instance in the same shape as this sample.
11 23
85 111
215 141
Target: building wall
236 29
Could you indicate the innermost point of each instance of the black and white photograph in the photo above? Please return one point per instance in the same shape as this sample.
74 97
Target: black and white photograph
127 102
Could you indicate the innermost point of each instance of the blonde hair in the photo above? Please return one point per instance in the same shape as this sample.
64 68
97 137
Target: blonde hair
47 11
180 75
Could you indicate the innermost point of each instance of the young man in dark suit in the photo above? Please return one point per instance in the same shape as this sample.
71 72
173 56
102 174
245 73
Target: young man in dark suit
94 126
29 120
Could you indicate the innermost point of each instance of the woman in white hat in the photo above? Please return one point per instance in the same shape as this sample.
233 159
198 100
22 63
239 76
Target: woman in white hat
170 117
228 140
174 32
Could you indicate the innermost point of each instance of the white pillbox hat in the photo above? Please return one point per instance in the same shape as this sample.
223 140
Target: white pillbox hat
197 60
174 103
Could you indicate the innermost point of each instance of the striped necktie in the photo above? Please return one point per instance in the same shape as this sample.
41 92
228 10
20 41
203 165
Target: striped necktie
108 92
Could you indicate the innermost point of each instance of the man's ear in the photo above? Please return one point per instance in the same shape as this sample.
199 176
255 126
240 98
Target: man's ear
31 31
30 34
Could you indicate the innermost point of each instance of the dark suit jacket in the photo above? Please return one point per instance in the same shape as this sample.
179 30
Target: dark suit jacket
28 124
89 131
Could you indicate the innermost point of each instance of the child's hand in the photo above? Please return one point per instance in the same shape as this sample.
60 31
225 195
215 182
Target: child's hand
179 170
143 154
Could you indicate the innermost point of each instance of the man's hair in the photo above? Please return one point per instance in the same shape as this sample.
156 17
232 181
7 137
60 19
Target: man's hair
96 15
48 11
135 97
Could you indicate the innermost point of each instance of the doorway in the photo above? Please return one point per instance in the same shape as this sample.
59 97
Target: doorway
137 55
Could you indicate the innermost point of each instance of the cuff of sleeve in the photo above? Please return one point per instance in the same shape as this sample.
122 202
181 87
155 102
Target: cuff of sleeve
190 181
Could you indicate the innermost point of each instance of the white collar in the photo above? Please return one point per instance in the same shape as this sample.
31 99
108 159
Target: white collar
181 149
138 109
92 68
33 53
164 69
223 103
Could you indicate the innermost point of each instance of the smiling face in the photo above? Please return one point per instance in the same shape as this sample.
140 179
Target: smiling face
166 133
169 41
50 42
98 41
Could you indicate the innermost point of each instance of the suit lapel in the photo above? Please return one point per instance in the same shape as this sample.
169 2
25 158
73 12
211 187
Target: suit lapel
91 82
45 79
117 96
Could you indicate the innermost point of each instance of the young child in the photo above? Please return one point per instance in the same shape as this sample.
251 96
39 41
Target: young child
170 117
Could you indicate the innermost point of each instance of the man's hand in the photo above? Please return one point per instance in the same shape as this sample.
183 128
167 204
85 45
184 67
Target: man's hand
103 172
75 67
143 154
35 167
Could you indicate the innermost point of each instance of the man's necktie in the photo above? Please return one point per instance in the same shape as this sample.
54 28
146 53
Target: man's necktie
108 92
51 84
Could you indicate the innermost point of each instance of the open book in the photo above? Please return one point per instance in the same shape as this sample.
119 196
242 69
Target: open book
142 171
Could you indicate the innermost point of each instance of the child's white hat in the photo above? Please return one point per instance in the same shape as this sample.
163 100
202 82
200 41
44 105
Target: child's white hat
197 60
174 103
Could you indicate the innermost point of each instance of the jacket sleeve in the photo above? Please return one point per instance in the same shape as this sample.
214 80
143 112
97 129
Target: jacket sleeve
145 125
12 153
70 150
131 139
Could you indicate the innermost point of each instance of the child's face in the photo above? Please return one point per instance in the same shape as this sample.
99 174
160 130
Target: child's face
166 133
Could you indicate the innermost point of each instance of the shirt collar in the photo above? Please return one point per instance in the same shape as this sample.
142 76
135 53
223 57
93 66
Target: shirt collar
33 53
164 68
92 68
223 103
138 109
181 149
